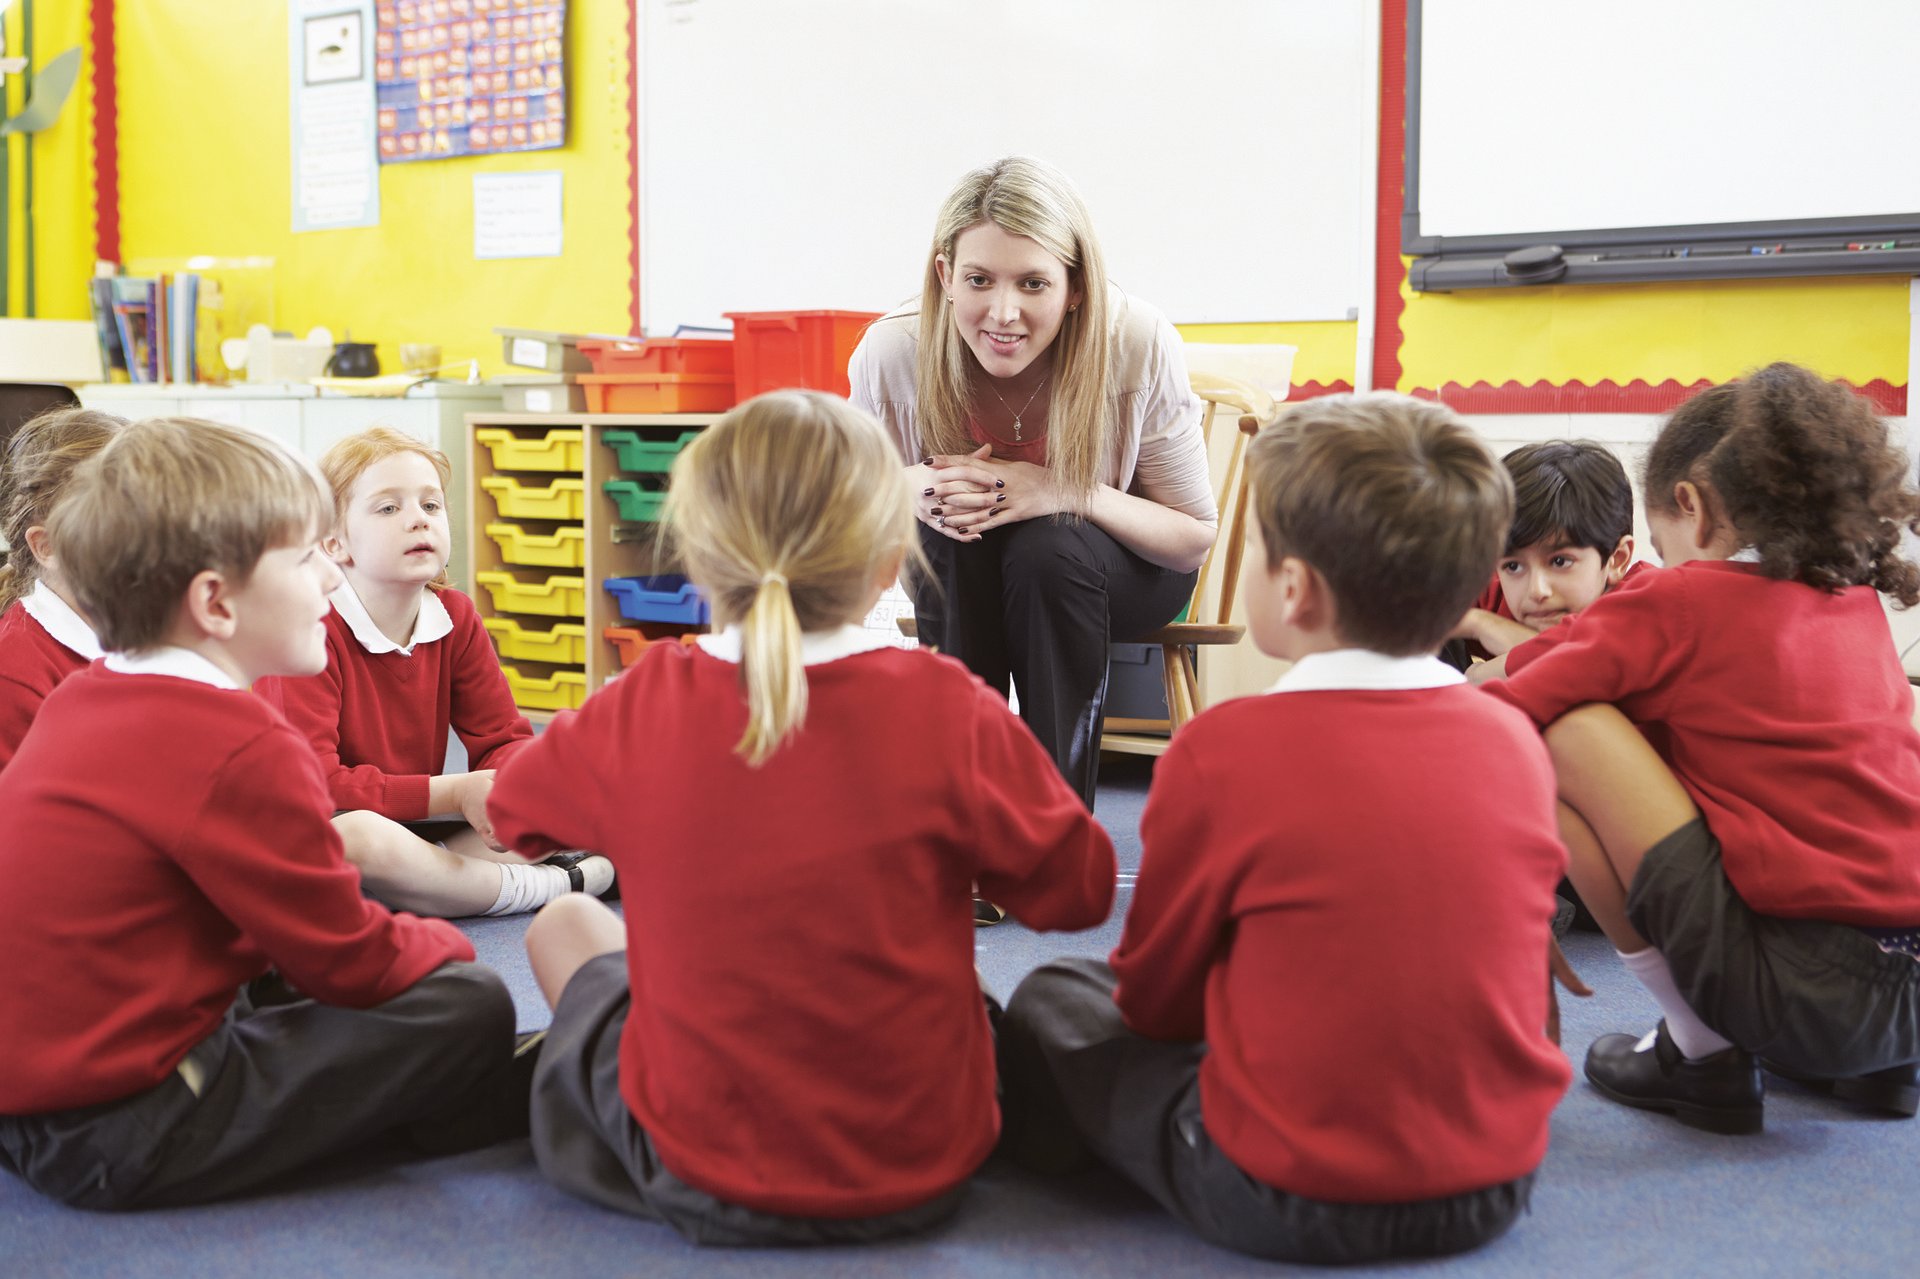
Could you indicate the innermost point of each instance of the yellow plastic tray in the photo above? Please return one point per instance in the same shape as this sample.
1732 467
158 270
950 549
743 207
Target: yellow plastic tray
562 548
560 500
564 642
561 691
558 596
561 449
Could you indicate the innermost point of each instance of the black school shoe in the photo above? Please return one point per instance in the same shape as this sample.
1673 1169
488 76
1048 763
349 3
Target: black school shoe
570 862
1720 1093
986 914
1893 1091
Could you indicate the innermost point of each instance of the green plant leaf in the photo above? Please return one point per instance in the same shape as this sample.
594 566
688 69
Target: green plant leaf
52 84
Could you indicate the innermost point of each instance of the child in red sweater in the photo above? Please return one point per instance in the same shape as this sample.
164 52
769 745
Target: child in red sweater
1738 768
407 658
134 1076
1293 1048
43 638
732 1061
1571 542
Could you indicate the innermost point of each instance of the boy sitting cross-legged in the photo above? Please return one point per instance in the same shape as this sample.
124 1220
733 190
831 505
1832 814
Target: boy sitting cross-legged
138 1072
1322 1036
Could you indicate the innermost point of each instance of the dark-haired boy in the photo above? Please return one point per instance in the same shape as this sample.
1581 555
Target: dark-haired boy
1571 542
1322 1036
134 1076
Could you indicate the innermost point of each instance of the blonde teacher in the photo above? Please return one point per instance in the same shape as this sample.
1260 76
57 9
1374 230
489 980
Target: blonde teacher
1054 449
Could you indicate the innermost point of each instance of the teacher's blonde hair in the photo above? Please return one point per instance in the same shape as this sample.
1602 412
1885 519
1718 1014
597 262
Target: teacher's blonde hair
785 512
1025 197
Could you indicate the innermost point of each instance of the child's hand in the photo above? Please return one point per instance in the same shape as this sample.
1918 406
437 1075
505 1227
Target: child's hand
1560 973
1469 625
474 789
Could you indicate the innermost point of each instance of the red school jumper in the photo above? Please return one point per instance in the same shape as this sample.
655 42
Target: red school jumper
32 663
379 721
204 825
1362 944
807 1035
1783 711
1494 600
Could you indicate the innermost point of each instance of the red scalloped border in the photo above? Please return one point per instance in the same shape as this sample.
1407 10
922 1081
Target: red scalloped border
1314 390
1608 396
1390 166
633 166
106 137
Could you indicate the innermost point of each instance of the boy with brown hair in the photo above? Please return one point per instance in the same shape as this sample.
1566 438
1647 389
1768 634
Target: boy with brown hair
1322 1036
135 1076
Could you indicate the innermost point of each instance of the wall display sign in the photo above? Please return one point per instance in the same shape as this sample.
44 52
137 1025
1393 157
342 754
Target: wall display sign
469 77
336 182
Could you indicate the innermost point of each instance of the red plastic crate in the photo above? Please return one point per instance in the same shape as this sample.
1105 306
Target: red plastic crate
660 355
657 392
777 349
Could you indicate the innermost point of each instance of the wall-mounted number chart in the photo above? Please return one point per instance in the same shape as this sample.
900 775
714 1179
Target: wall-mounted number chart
469 77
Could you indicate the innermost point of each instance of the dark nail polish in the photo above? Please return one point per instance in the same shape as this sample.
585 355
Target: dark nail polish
1001 498
999 484
926 461
926 492
938 511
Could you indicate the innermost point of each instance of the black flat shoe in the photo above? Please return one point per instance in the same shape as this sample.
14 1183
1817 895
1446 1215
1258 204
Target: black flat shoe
1893 1091
986 914
1721 1093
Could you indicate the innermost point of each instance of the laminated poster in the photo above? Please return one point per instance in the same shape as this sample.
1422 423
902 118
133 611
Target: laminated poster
469 77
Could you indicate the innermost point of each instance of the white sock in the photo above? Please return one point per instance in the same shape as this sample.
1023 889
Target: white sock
524 887
1693 1037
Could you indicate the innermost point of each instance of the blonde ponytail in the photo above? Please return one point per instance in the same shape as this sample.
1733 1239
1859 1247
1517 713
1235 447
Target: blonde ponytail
785 513
771 665
40 458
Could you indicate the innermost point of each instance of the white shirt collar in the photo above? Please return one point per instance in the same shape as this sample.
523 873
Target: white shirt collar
180 663
816 647
433 622
1364 669
1746 555
60 621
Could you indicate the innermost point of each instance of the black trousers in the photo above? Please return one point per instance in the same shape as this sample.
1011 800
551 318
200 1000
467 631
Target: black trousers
282 1086
1075 1080
1038 602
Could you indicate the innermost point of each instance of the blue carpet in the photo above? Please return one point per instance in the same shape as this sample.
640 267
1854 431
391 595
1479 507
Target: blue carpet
1824 1189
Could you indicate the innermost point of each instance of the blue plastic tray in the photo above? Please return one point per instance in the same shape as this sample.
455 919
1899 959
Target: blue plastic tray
667 598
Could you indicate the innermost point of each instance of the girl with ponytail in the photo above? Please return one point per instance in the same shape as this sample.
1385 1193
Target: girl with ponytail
43 637
731 1058
1739 771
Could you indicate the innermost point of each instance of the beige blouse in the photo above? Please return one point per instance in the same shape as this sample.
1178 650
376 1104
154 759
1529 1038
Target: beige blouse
1158 451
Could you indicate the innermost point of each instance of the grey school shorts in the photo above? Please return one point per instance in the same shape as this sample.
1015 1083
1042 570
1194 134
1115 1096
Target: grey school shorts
588 1143
1817 998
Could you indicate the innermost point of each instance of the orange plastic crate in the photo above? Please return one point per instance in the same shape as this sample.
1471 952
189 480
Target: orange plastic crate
629 642
660 355
658 392
775 349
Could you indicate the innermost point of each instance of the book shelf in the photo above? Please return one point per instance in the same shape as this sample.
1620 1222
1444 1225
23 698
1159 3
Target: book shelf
612 546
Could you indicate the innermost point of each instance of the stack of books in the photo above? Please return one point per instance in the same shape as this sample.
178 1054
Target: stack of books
147 325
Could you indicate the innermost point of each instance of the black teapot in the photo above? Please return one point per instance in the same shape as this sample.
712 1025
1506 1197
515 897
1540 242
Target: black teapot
352 359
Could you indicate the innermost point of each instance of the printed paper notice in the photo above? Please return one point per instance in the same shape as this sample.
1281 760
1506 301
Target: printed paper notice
517 215
336 169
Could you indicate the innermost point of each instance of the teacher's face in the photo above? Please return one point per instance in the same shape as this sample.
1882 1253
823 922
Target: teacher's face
1009 297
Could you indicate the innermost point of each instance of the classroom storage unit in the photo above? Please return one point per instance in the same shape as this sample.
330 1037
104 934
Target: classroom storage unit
545 541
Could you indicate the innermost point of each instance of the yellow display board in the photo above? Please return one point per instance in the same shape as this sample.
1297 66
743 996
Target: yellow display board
205 169
62 173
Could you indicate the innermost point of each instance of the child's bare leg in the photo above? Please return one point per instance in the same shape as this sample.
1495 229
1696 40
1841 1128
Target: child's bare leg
1619 799
406 872
566 933
1624 795
1595 879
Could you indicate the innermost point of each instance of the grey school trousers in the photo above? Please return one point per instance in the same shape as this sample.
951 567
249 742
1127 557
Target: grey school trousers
1038 602
1076 1079
282 1086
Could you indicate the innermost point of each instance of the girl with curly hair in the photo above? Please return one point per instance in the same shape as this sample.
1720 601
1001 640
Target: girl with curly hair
1738 769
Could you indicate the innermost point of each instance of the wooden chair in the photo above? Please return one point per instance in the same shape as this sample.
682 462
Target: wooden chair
1253 408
